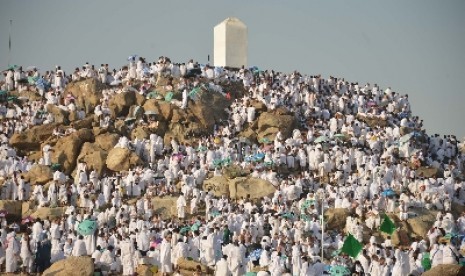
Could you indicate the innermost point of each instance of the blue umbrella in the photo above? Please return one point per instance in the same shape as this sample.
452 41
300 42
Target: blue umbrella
388 192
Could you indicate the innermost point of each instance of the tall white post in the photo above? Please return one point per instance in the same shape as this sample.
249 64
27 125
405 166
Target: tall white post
9 43
322 225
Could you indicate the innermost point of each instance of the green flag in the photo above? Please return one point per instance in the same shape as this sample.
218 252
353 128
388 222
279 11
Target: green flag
351 246
387 226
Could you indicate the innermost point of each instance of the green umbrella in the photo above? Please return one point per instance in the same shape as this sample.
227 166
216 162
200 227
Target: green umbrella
321 139
169 97
340 136
152 95
12 67
87 227
339 270
265 141
55 166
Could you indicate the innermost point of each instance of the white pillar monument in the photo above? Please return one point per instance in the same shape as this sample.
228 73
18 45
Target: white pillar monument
230 43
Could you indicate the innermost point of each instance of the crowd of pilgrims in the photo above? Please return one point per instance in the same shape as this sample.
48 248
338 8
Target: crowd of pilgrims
333 159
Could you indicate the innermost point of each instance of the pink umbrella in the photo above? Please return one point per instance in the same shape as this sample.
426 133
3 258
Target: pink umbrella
27 220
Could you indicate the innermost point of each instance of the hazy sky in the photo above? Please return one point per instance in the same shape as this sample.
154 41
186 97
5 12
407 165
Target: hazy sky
416 47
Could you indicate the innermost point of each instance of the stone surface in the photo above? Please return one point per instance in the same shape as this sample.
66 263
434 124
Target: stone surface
94 156
269 123
336 218
31 139
239 187
445 270
47 212
119 105
38 174
120 159
67 149
59 115
87 93
13 207
71 266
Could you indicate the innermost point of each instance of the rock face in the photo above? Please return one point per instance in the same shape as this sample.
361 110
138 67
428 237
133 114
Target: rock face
166 206
120 103
422 222
60 116
336 218
191 266
13 207
93 156
71 266
120 159
46 212
38 174
446 270
239 187
269 123
31 139
197 119
87 93
144 270
106 141
67 149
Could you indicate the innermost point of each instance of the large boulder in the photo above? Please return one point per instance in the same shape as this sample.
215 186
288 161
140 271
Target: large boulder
144 270
239 187
84 123
48 212
31 139
13 207
60 116
71 266
119 105
446 270
336 218
209 108
87 93
67 149
120 159
422 222
38 174
165 206
107 141
427 172
163 110
190 266
140 132
93 156
269 123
